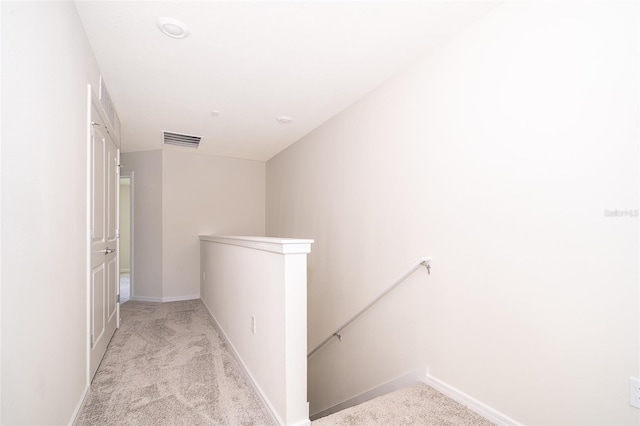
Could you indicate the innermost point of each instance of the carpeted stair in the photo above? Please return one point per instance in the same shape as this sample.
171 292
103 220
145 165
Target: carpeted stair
416 405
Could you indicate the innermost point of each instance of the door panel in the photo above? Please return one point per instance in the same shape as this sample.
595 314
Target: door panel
104 240
98 155
98 296
113 182
112 291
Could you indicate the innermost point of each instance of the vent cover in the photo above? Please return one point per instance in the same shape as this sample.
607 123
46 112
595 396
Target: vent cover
180 139
109 109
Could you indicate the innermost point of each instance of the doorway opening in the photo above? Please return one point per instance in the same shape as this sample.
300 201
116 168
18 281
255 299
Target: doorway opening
126 237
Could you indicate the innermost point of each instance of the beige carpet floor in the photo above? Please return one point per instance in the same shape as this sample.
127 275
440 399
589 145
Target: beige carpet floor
416 405
169 365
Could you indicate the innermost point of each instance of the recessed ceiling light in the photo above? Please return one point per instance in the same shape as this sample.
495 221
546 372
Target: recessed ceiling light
173 28
283 119
215 113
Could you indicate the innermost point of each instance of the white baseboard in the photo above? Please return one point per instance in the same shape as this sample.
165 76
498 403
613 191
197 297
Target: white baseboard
408 379
146 299
470 402
165 299
79 406
305 422
181 298
270 408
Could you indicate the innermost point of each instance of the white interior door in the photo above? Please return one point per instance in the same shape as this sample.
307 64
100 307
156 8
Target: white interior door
104 274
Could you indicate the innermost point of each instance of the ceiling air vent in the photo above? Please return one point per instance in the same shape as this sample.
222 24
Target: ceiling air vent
180 139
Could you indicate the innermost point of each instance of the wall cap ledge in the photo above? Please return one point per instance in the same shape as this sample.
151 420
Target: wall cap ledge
271 244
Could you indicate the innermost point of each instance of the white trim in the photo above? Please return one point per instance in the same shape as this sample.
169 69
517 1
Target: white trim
125 271
164 299
146 299
473 404
117 166
132 239
274 414
131 175
408 379
80 406
0 221
274 245
305 422
180 298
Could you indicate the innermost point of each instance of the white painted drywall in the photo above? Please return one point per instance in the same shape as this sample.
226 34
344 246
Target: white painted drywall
46 65
147 226
0 223
180 195
497 156
204 194
125 224
265 279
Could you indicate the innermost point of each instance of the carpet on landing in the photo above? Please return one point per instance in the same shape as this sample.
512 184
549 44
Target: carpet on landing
415 405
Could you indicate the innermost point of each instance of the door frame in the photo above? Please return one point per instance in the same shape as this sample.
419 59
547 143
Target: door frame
131 176
94 101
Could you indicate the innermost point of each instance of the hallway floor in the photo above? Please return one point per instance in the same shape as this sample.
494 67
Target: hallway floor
169 365
125 287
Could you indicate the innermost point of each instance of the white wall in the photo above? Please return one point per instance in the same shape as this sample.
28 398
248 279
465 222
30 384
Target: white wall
178 196
0 224
205 194
497 156
46 66
147 226
125 224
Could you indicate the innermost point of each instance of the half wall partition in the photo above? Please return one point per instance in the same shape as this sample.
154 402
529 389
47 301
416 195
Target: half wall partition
255 289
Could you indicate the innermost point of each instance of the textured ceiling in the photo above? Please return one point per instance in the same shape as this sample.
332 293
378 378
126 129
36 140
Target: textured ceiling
255 61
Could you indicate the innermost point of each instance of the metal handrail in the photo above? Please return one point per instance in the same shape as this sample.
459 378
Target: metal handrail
423 261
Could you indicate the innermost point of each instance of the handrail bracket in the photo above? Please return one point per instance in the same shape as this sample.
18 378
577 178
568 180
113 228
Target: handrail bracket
427 265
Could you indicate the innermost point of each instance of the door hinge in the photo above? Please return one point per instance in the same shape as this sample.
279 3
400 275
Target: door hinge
92 234
92 341
118 301
117 233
